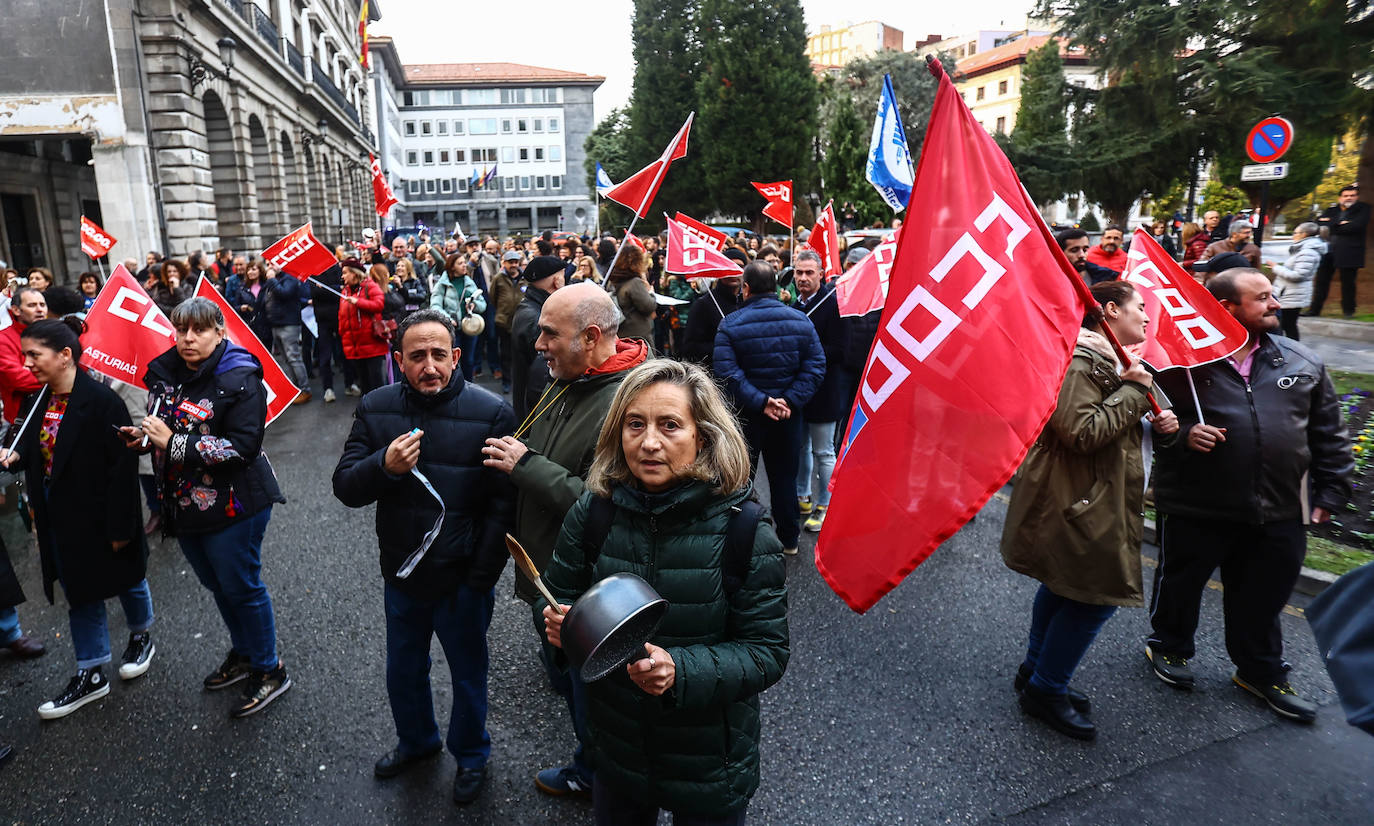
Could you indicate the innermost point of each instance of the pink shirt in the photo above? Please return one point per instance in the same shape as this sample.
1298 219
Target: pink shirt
1247 361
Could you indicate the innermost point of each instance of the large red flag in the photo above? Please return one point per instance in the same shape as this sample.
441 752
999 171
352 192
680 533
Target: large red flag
825 240
95 241
280 391
779 206
124 330
692 226
1188 326
965 371
300 254
864 288
692 256
382 195
637 191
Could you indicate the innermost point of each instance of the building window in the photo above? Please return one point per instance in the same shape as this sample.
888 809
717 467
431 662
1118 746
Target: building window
430 187
553 125
443 156
462 184
980 92
539 124
410 128
524 154
482 126
484 155
413 187
555 182
512 95
1001 126
540 182
522 126
555 153
412 158
429 158
1002 87
446 186
539 153
507 154
441 127
460 156
457 127
426 127
506 127
508 184
524 182
479 97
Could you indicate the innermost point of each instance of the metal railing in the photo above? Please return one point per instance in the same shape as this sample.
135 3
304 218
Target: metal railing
332 92
263 25
294 59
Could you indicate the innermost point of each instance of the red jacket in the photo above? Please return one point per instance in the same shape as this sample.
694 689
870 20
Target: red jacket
16 381
355 321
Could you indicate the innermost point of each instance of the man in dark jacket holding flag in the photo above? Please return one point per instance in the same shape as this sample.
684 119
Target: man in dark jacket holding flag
771 361
416 450
285 295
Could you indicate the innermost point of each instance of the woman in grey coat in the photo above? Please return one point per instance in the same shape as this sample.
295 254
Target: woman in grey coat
1293 278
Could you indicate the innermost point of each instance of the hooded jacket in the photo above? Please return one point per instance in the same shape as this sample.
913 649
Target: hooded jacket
214 470
1293 278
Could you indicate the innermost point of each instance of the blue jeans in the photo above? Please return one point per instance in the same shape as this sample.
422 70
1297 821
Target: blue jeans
90 629
9 626
1061 631
818 440
569 685
229 563
614 809
460 622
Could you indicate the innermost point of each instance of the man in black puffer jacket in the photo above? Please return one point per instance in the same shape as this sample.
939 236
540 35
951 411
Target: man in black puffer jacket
413 441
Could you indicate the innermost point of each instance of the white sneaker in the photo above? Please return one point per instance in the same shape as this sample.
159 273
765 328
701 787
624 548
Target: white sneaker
790 551
137 656
353 390
329 395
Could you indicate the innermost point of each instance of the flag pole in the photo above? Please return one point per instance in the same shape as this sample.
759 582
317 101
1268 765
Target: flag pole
653 191
1196 404
311 279
19 434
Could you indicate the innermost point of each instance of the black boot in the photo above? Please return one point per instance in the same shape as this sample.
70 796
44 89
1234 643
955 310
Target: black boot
1077 699
1056 710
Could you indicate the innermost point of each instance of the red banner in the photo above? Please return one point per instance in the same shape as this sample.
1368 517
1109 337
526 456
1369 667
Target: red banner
825 240
966 367
692 256
633 240
1188 326
300 254
864 288
124 330
382 195
692 226
637 191
95 241
280 391
779 206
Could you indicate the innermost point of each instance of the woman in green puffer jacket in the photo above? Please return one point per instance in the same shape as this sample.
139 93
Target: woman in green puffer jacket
679 729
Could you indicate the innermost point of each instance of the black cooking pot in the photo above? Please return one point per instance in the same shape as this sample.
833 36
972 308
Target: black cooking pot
608 625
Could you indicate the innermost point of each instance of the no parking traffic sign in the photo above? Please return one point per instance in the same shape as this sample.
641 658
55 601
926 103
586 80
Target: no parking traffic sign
1269 139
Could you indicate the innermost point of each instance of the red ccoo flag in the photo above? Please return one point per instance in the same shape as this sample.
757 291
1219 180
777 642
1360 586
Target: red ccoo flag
300 254
825 240
633 240
975 337
382 195
280 391
1188 326
779 206
124 330
95 241
864 288
637 191
692 226
692 256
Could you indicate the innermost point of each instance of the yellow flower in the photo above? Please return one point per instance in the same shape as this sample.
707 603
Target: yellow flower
1358 448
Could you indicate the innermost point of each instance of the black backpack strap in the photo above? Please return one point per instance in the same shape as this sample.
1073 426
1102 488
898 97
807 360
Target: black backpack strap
739 545
597 527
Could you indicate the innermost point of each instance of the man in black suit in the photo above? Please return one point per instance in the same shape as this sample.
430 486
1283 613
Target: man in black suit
1346 222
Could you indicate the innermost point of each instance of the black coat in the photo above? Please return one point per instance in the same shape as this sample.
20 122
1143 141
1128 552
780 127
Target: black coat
213 470
11 594
479 501
92 497
326 304
529 371
703 320
828 405
1346 243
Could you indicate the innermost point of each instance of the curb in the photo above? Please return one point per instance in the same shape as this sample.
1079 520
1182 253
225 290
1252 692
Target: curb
1339 328
1310 582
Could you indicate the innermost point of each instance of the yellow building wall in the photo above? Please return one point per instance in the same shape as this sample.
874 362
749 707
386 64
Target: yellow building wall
995 104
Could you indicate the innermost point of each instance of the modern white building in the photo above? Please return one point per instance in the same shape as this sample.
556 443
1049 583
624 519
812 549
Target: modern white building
495 146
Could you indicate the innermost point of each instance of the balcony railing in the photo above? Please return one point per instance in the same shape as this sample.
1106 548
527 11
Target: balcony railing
294 59
263 25
332 92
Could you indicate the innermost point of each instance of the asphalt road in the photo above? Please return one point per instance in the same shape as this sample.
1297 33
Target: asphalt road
902 715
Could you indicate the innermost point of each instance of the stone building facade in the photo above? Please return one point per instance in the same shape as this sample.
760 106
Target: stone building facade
180 125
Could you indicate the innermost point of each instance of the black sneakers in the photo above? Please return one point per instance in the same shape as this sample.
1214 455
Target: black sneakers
467 785
393 763
1171 668
560 781
1281 698
88 685
233 669
1076 698
137 656
263 687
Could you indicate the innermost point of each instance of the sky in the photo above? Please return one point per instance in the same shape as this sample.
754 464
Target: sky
593 36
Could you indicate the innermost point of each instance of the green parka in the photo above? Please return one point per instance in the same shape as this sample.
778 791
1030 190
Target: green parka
1077 507
695 749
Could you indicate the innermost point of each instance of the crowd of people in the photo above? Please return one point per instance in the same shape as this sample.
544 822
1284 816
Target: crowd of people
627 413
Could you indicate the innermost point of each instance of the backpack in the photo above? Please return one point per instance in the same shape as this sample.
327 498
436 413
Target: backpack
739 538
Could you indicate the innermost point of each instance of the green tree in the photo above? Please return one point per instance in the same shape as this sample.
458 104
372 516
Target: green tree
1038 147
757 100
1343 171
842 167
1226 200
608 143
1308 160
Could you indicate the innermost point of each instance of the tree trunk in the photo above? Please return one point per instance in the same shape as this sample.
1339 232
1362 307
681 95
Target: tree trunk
1365 179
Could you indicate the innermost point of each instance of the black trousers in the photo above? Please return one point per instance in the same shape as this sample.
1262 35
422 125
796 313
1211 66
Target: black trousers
1288 321
1259 566
780 445
1321 286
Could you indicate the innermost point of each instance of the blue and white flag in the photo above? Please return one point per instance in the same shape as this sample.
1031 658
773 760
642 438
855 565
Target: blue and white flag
475 179
603 181
889 160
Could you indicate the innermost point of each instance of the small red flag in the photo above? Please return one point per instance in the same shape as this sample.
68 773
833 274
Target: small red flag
125 330
1188 326
633 240
825 240
864 288
692 256
382 195
692 226
637 191
280 391
362 37
300 254
95 241
978 291
779 206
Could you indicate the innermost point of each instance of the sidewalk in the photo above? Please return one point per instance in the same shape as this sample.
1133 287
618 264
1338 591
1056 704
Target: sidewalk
1343 345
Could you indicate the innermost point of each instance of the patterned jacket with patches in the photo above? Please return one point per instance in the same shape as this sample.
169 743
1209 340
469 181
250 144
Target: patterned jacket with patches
213 471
